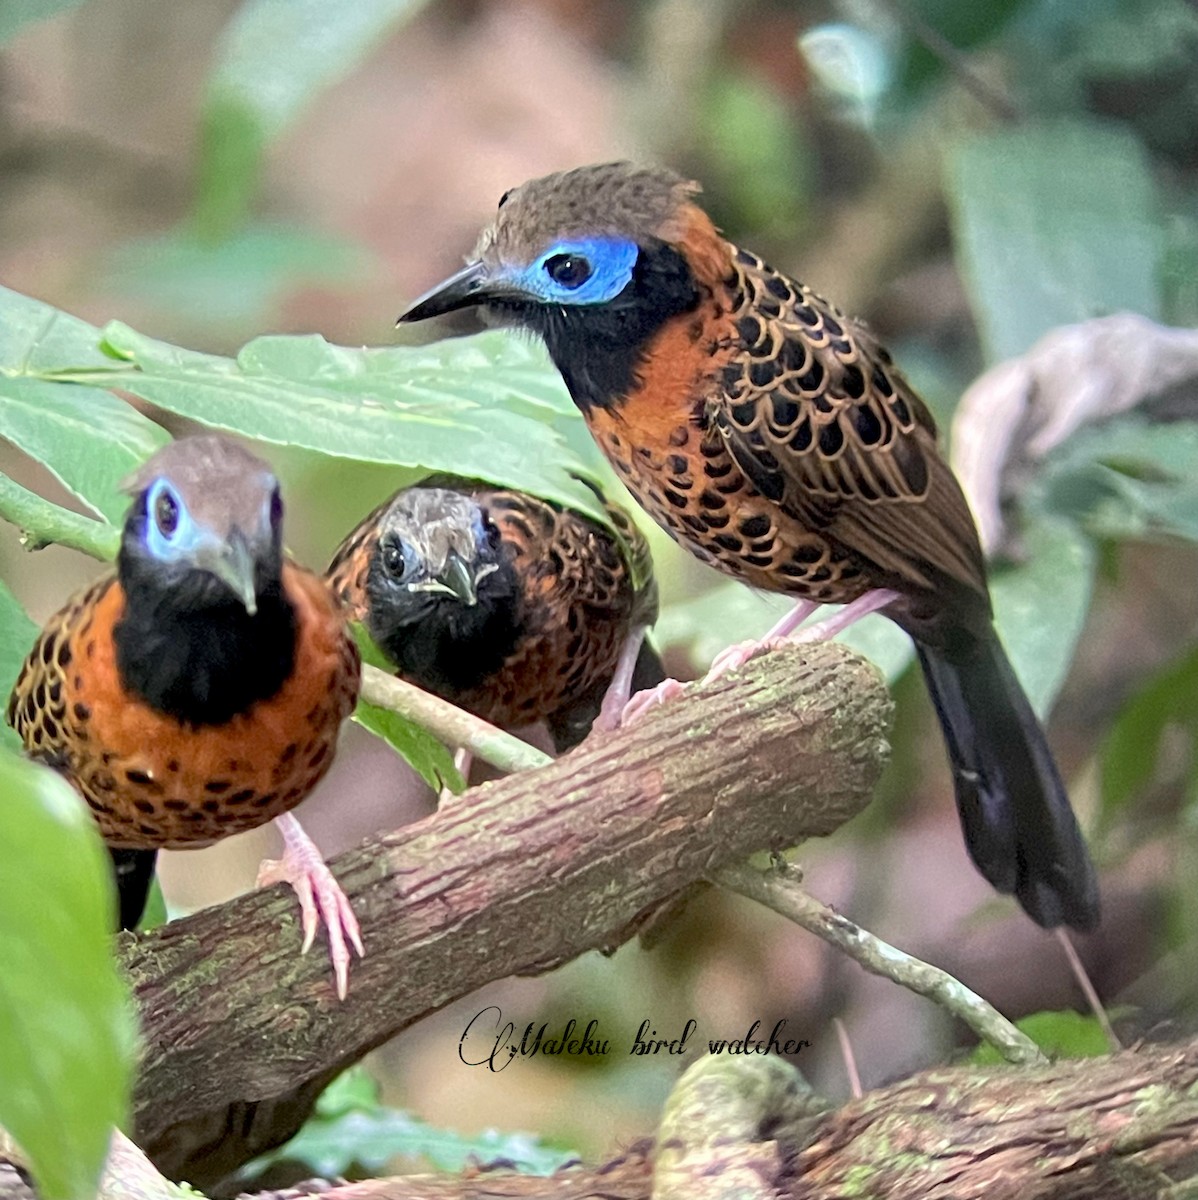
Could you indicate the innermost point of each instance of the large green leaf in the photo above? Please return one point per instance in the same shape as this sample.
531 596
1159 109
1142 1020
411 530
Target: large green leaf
85 436
16 14
88 438
485 406
1040 606
1053 224
36 338
273 58
65 1027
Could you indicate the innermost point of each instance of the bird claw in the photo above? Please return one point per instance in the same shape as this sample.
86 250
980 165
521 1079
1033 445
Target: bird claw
650 698
320 898
736 656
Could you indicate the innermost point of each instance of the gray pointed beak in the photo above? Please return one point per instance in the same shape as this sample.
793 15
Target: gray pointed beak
233 564
458 579
467 287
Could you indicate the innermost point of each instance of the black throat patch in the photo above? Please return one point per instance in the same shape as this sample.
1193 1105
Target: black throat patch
188 648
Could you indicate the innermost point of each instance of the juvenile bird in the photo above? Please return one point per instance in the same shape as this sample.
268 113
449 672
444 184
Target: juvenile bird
197 690
513 608
774 438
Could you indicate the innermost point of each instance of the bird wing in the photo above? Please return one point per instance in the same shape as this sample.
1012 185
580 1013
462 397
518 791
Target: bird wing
567 559
40 708
813 411
346 573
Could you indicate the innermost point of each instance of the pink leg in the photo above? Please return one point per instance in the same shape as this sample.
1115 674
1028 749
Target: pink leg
739 654
303 868
849 615
615 700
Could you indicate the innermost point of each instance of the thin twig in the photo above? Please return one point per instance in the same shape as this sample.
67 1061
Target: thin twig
454 726
1087 987
778 889
850 1059
42 523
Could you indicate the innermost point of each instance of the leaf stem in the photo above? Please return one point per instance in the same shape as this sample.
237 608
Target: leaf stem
42 523
779 888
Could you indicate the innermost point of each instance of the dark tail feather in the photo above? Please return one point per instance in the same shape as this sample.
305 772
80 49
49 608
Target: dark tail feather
570 726
134 871
1019 827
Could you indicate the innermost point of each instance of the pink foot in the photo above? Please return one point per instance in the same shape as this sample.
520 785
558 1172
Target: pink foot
650 698
320 896
739 654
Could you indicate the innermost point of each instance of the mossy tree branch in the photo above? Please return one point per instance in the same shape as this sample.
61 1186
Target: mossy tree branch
240 1033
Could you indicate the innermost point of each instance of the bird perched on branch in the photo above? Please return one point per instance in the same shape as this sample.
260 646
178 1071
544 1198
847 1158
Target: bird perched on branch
197 690
513 608
774 438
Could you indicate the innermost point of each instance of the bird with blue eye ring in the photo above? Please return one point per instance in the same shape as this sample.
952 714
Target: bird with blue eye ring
772 436
197 690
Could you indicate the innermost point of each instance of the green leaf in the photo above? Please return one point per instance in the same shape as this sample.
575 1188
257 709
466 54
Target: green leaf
1053 224
416 746
273 58
17 634
16 14
1128 479
89 440
1058 1034
1040 606
489 407
350 1130
86 437
66 1043
1131 752
36 338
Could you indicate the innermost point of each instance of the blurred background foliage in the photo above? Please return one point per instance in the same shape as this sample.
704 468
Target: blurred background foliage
964 176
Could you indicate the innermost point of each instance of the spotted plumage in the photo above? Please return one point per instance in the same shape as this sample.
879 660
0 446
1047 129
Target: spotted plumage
511 607
196 690
774 438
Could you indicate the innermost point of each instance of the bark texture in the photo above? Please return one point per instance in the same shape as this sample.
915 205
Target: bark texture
240 1033
1118 1128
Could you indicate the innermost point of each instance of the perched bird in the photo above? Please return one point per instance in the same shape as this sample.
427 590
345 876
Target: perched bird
197 690
513 608
774 438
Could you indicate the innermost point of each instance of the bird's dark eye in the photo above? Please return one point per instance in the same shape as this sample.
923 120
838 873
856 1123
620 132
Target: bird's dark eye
570 270
166 513
399 560
503 198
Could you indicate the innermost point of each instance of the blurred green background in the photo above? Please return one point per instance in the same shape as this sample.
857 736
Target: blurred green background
964 176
